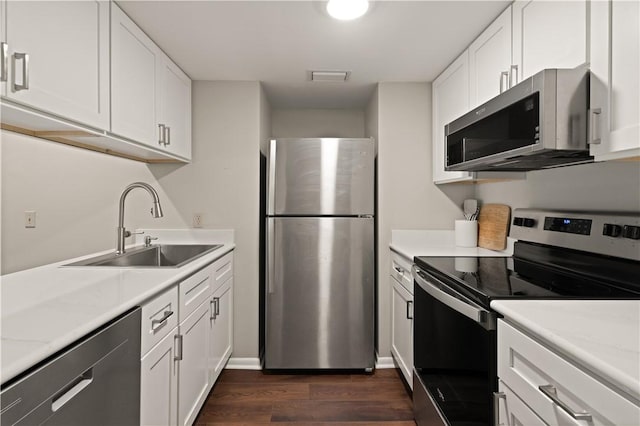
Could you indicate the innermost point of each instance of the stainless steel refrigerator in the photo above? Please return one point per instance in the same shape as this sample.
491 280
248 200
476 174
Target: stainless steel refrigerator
320 254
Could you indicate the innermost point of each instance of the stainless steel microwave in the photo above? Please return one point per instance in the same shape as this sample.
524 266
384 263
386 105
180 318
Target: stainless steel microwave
539 123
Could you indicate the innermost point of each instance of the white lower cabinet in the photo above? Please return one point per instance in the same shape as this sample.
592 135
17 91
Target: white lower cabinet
221 329
180 363
555 389
159 384
402 316
193 368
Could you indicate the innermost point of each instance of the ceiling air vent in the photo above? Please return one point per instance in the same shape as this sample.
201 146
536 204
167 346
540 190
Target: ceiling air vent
329 75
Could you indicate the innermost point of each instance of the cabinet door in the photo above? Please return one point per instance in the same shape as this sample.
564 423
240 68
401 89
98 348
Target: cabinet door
134 81
221 323
67 72
402 329
548 34
193 367
450 101
490 60
175 108
159 384
615 86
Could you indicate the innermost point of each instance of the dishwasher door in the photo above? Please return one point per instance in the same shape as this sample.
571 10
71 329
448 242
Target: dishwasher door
95 381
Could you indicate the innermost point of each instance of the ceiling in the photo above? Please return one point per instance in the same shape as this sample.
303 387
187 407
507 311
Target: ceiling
278 42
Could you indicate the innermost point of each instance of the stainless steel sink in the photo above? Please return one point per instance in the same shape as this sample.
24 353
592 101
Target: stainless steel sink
156 256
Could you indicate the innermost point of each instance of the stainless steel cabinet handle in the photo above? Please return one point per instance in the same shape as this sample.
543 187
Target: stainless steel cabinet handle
513 75
157 323
594 126
409 310
71 391
399 270
178 339
3 61
167 136
217 304
212 307
24 57
497 396
504 80
552 394
161 135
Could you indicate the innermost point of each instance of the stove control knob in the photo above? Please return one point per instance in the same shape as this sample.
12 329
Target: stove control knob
632 232
529 223
611 230
517 221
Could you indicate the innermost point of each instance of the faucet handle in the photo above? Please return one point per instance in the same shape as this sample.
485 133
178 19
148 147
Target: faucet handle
148 239
129 233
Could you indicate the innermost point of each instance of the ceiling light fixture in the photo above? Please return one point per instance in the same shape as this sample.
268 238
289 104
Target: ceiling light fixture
346 10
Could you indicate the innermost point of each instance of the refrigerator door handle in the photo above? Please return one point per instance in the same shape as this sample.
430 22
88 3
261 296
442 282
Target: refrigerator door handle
271 179
271 247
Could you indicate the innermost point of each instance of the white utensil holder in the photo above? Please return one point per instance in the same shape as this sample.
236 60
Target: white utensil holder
466 233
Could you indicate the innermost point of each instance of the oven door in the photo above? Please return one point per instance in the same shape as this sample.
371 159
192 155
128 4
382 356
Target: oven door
454 356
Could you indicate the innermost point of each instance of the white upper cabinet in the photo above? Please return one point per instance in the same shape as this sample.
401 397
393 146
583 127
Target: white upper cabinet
450 94
175 108
615 85
134 81
490 60
57 58
548 34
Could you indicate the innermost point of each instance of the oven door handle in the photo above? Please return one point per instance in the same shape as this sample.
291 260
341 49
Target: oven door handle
459 304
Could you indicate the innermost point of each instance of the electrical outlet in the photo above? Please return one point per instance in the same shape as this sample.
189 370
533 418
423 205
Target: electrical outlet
30 219
197 220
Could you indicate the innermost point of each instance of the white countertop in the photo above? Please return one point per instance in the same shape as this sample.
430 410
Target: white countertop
45 309
602 336
411 243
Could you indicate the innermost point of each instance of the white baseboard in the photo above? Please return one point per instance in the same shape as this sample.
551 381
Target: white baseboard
385 362
243 364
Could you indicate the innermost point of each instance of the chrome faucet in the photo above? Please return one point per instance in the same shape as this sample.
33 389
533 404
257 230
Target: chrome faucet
156 211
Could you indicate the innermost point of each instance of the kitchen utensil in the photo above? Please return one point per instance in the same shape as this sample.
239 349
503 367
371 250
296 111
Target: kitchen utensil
493 226
469 207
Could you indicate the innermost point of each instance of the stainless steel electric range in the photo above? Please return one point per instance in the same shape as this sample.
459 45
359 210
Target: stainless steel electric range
558 255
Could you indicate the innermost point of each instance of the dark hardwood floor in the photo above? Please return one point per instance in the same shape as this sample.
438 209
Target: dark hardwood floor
244 397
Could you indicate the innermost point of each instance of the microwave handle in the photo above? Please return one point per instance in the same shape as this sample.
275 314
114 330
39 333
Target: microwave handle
477 314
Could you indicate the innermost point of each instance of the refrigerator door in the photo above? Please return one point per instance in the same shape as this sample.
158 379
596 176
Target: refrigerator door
325 176
320 293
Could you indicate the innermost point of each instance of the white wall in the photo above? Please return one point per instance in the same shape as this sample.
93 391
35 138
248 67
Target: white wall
222 183
407 197
316 123
75 193
598 186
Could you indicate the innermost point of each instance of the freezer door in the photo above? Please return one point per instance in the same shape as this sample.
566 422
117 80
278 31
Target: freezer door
325 176
320 293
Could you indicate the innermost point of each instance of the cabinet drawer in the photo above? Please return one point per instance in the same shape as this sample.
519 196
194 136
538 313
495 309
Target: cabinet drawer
401 271
222 270
159 317
195 290
512 411
525 365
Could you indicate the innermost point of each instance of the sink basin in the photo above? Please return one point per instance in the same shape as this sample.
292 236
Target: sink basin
155 256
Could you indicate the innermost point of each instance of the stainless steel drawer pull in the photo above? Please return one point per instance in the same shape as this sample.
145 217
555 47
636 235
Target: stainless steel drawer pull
399 270
71 391
552 394
409 309
3 61
24 57
178 356
157 323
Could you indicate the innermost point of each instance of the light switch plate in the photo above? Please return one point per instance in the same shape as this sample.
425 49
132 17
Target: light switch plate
30 219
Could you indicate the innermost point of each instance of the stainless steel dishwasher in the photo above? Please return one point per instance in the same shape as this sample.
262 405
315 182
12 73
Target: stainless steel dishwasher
95 381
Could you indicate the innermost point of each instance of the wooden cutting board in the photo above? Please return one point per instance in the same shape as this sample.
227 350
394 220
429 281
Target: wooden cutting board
493 226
